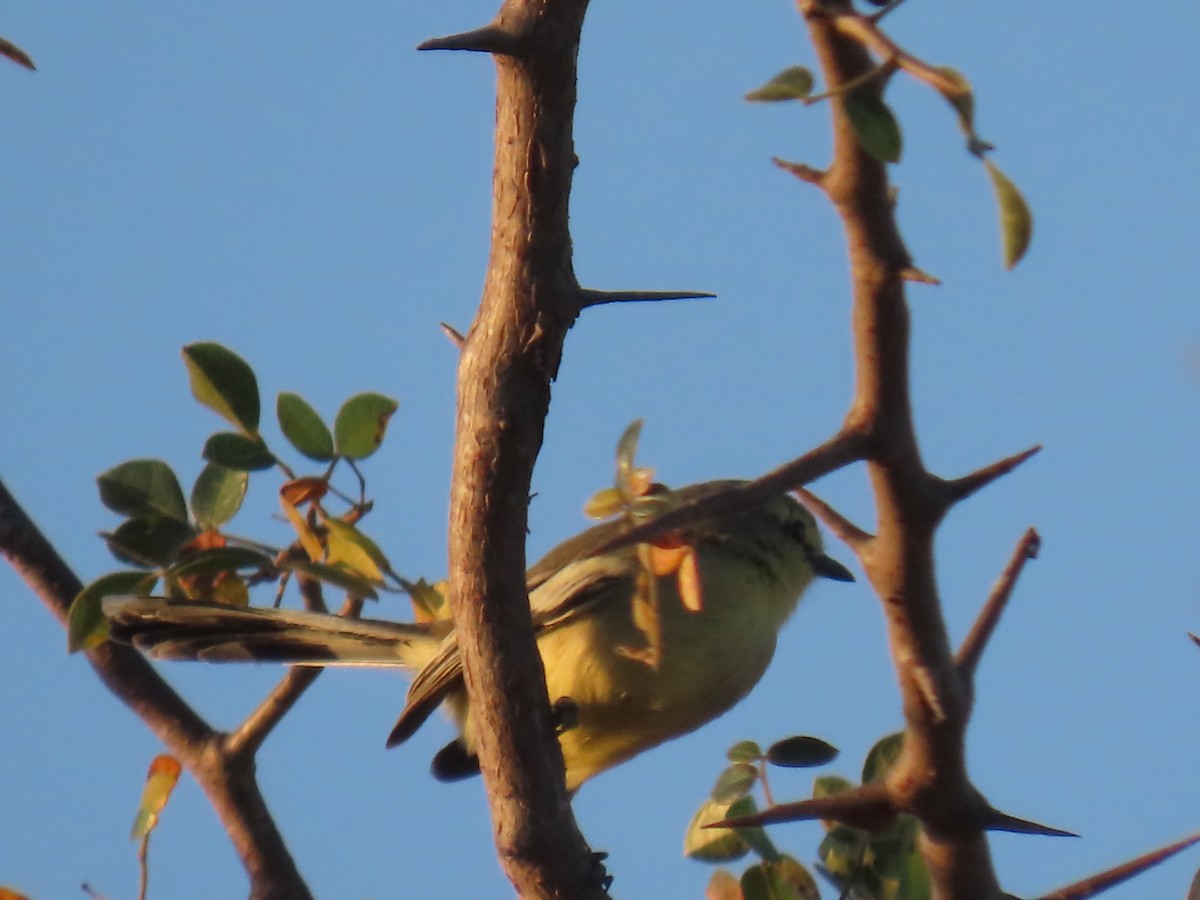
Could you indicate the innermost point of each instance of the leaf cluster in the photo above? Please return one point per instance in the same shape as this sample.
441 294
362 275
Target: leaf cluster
182 545
860 864
877 129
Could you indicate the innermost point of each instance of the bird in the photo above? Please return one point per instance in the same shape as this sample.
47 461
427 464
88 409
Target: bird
753 567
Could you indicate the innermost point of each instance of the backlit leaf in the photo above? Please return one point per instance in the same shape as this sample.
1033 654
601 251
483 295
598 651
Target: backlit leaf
223 382
86 625
793 83
160 781
1016 220
361 424
349 547
354 585
713 844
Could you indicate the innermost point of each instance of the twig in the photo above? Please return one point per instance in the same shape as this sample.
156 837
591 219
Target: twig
971 650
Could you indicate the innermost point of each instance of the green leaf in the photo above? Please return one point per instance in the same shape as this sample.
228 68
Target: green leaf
217 495
801 752
303 427
793 83
354 585
1016 221
744 751
882 756
361 423
826 785
874 125
220 559
755 884
842 850
736 781
143 487
151 541
223 382
714 845
789 870
238 451
86 625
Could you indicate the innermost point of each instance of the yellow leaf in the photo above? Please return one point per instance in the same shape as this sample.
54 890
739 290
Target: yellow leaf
604 503
160 781
346 547
308 540
429 601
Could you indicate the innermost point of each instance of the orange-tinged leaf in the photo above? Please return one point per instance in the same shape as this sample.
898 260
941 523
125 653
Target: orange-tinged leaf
160 781
10 894
308 539
304 490
640 481
691 590
206 540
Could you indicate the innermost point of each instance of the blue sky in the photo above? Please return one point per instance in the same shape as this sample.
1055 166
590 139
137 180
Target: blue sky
297 182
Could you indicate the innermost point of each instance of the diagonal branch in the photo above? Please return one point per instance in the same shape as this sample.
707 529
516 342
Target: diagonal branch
972 648
840 450
231 788
1090 887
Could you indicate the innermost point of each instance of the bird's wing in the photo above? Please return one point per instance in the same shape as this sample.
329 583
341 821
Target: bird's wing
183 630
569 592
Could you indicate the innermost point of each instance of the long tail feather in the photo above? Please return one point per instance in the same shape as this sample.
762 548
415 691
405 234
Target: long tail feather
167 629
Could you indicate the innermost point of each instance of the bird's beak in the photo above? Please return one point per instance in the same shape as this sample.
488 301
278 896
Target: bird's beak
827 567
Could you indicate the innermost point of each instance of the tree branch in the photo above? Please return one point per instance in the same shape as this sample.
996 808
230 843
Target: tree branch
510 355
230 785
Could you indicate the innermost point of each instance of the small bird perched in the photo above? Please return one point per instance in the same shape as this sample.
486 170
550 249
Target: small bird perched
713 647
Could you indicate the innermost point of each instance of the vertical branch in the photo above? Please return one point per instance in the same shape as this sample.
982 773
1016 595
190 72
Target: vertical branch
930 777
509 357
